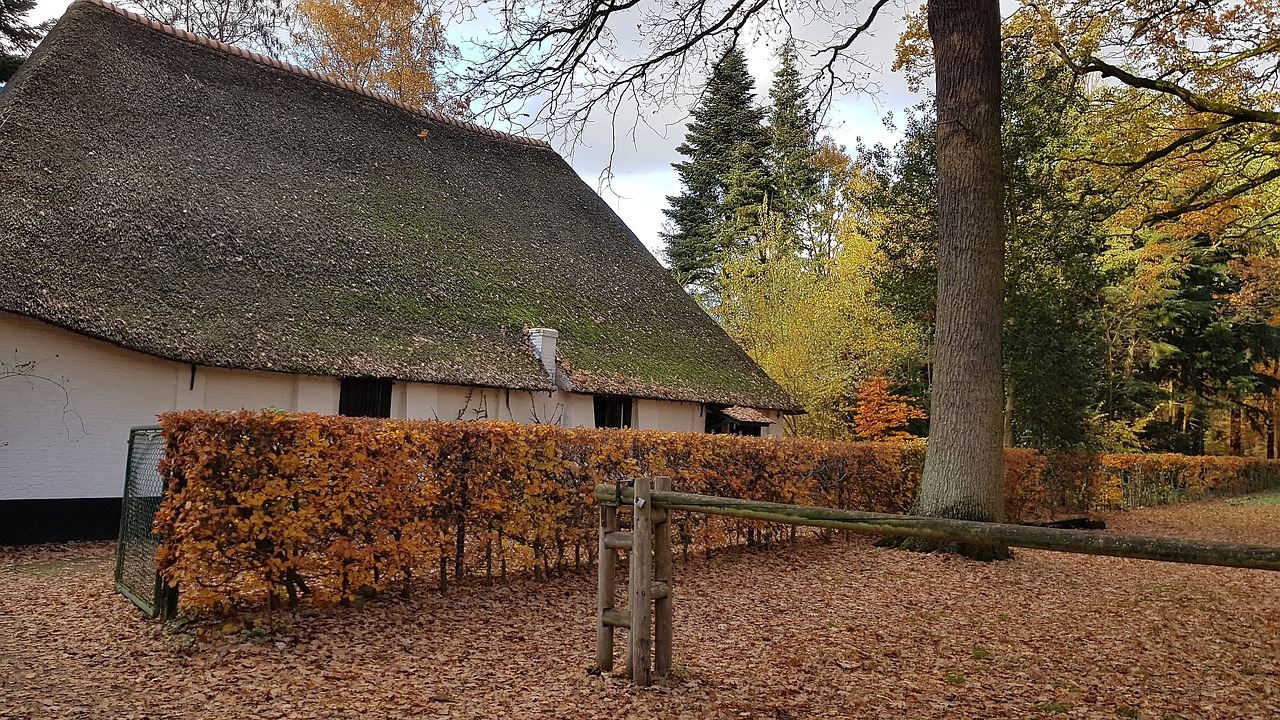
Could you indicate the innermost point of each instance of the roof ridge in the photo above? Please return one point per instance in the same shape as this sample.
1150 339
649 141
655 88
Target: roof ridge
308 73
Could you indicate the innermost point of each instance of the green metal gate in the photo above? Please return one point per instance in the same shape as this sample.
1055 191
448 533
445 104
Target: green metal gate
136 575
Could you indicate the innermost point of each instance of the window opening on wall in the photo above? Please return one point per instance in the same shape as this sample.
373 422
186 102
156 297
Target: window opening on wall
365 397
613 411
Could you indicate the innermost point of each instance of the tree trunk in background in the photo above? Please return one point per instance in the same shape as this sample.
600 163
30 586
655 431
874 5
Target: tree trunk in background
1008 413
1271 425
964 464
1234 439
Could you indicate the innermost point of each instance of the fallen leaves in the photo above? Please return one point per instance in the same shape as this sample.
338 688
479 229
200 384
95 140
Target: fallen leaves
842 630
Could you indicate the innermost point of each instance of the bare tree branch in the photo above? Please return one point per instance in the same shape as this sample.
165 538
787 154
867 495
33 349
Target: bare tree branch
1197 101
555 63
1216 199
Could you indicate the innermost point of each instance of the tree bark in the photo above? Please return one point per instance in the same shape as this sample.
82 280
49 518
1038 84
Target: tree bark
964 464
1272 408
1235 439
1008 412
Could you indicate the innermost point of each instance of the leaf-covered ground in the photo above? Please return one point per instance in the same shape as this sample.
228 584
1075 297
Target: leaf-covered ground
838 630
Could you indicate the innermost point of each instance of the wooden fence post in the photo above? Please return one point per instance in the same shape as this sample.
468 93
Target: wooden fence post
662 571
608 562
639 642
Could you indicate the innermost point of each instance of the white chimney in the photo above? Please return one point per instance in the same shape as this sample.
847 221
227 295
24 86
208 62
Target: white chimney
544 347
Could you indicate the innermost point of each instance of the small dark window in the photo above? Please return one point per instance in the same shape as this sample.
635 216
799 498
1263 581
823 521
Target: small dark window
717 421
613 412
365 397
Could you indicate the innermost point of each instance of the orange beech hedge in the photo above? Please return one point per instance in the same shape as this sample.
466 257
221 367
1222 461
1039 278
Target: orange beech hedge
270 508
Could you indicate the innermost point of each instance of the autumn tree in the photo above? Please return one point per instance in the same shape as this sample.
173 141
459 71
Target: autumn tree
1188 349
393 47
814 326
1196 85
1182 139
17 36
257 24
881 415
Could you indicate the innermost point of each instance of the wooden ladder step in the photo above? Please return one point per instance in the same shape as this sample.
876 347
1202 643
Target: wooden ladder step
659 590
614 617
618 540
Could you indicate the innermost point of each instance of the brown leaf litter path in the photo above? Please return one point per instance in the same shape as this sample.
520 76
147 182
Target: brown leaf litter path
841 630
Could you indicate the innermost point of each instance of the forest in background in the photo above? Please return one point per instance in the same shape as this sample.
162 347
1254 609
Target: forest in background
1140 255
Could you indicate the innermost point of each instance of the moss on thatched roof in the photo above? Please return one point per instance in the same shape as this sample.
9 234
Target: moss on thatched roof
192 201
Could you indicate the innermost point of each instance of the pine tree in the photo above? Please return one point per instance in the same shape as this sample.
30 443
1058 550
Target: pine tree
745 207
793 144
17 38
725 140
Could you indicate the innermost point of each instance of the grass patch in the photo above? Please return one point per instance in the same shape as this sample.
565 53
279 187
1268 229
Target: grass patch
1269 498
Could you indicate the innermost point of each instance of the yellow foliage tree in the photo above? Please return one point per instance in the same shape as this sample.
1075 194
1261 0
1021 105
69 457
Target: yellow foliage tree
393 47
814 327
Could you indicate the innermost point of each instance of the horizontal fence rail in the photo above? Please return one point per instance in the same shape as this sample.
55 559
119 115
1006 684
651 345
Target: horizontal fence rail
1198 552
651 584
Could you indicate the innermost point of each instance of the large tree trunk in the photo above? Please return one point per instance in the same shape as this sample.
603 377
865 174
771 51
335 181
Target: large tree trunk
964 465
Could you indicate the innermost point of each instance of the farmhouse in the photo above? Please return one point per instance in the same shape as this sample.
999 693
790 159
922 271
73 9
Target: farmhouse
188 225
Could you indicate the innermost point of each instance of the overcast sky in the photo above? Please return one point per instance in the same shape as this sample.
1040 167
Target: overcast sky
642 153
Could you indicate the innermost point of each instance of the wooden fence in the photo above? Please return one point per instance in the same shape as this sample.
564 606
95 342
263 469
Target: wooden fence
648 615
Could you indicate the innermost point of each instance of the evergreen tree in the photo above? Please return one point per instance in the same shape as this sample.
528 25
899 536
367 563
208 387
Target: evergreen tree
17 37
1197 353
725 140
793 144
746 209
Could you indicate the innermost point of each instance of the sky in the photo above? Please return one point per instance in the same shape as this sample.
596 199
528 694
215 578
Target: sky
637 157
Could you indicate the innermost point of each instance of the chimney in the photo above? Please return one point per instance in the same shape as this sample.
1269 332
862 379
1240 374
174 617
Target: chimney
544 347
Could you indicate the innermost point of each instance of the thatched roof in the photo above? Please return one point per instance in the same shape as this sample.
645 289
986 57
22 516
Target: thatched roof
196 202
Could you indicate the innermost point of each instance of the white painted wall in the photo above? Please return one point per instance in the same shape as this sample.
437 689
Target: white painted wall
665 415
65 414
775 430
67 403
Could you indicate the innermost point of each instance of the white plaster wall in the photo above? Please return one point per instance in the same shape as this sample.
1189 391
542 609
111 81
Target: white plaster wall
65 417
453 402
247 390
67 403
317 394
667 415
578 410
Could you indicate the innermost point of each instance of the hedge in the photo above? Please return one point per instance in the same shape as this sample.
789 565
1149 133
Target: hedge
272 508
